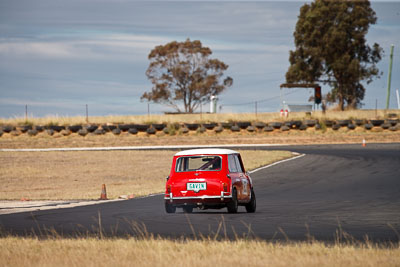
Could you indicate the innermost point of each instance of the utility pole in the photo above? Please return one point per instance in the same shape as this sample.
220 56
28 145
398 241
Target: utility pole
26 112
389 76
256 108
398 98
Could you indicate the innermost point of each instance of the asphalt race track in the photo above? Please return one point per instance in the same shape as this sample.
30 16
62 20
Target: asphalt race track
333 192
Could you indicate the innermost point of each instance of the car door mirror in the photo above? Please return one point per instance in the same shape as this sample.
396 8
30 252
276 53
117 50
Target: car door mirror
167 177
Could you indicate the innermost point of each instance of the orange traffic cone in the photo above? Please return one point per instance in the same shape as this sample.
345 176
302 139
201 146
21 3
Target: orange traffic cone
103 195
363 143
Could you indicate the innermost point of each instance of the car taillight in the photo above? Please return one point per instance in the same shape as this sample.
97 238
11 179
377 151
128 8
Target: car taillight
169 188
225 186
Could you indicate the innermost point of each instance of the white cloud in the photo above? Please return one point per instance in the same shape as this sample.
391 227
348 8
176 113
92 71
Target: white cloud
95 47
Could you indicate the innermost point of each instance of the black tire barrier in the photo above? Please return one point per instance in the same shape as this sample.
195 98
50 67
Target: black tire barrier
336 127
74 128
296 124
32 132
151 130
25 128
251 129
328 123
268 129
359 122
50 132
318 126
141 127
386 126
377 122
8 128
288 123
219 129
226 125
125 127
39 128
368 126
209 126
192 126
276 125
303 127
159 126
99 131
184 130
235 128
83 132
105 127
260 125
310 123
56 128
351 126
133 131
91 128
108 128
392 122
116 131
284 128
343 123
243 124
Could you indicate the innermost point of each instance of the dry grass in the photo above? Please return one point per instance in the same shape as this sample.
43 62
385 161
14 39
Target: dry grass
200 118
79 175
160 252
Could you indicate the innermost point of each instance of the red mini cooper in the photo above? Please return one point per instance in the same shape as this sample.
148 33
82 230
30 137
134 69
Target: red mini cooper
209 179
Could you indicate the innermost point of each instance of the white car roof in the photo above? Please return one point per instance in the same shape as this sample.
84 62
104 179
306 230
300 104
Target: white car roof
206 151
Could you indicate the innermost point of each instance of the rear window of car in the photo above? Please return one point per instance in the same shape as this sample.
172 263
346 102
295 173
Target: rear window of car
198 163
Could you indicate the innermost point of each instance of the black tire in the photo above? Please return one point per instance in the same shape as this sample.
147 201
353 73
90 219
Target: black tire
233 204
188 209
170 208
252 205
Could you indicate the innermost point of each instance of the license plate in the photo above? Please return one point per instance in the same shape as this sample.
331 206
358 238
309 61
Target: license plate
196 187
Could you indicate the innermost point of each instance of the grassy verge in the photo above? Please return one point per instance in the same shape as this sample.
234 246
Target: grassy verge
79 175
161 252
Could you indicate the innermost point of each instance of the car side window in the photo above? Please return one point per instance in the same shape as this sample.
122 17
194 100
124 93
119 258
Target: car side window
238 165
232 163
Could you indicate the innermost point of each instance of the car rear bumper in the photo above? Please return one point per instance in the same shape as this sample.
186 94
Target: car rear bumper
198 199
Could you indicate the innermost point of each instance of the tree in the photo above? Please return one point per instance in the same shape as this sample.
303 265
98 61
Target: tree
331 48
183 71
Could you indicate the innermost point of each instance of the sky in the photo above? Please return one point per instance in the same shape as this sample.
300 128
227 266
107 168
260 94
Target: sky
57 56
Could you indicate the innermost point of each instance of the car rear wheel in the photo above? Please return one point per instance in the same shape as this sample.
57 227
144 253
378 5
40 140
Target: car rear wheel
187 209
251 206
170 208
233 204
